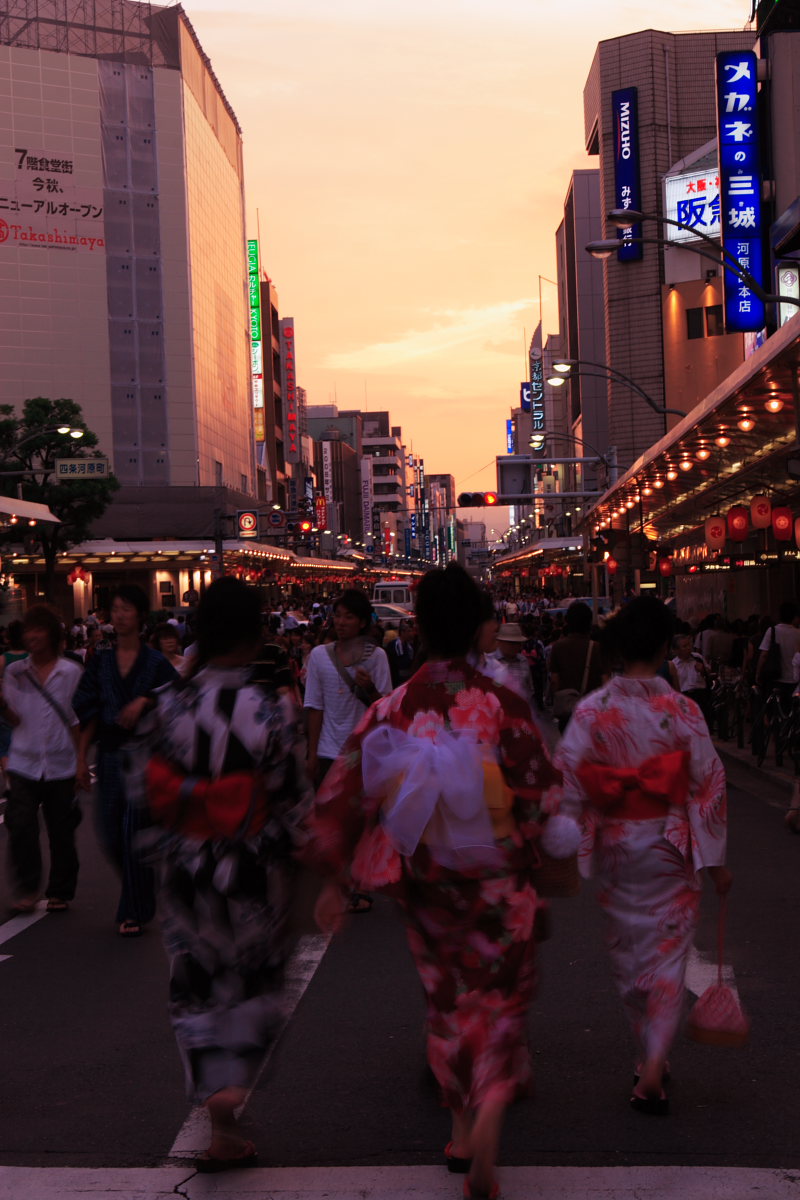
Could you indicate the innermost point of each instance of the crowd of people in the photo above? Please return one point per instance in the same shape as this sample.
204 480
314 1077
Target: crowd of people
226 749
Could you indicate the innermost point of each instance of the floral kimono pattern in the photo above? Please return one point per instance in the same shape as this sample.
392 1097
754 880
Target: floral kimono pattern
470 930
647 865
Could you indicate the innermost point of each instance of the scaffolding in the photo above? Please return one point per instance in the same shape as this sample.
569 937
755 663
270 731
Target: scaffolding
132 31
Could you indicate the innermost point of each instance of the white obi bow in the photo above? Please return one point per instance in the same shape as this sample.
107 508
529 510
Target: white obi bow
432 787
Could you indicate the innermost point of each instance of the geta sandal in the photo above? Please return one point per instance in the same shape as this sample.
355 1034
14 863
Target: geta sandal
456 1165
651 1106
209 1164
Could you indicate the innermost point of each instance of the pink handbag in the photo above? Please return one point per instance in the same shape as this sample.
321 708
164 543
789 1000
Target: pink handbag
717 1018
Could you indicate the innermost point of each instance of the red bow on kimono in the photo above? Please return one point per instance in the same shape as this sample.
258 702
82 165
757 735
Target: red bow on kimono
232 806
637 793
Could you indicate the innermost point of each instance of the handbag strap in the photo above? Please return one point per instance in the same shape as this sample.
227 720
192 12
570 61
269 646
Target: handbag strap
51 700
331 648
585 679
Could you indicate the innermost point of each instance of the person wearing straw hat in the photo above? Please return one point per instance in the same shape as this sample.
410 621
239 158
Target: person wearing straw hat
512 670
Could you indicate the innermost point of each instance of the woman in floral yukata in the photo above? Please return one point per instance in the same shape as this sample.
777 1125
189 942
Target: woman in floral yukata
643 777
443 790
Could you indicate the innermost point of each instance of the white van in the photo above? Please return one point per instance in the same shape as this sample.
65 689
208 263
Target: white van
393 591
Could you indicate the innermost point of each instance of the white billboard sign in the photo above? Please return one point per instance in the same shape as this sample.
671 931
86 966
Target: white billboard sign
692 197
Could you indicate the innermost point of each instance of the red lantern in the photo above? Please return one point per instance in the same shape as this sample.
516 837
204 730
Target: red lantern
611 565
715 531
761 512
797 532
665 566
782 524
738 523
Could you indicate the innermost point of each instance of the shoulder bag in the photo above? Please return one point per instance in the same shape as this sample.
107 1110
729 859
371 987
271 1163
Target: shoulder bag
357 691
565 699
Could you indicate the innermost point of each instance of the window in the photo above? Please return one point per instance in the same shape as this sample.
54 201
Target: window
695 323
715 324
218 473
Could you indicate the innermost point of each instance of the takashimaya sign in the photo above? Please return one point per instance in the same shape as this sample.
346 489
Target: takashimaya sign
43 206
291 427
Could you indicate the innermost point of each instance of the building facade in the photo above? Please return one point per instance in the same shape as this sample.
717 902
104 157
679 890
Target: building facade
665 108
122 251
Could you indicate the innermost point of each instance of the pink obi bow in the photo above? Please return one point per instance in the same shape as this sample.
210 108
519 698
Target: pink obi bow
638 793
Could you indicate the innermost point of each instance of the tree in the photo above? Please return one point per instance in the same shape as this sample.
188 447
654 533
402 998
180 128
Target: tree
29 446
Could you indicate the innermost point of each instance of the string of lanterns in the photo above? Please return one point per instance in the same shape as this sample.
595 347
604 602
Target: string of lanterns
761 514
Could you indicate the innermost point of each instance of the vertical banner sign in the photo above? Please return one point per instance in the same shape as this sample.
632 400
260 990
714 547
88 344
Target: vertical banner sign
510 435
414 525
327 471
291 426
740 186
256 340
536 386
366 498
407 540
321 512
627 184
525 396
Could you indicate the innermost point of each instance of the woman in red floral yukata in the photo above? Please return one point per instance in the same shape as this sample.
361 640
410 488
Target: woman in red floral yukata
642 774
444 790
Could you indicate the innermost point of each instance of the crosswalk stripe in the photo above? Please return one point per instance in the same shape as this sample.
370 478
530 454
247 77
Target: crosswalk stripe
400 1183
194 1134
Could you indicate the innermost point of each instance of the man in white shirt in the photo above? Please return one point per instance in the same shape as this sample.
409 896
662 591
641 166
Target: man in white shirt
37 703
342 680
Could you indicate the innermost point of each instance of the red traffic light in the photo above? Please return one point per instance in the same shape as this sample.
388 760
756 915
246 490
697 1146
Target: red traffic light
305 527
477 499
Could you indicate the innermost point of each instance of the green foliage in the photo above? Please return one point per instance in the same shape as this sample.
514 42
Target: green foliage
29 446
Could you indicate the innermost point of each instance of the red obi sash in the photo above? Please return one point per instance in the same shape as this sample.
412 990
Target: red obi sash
637 793
233 806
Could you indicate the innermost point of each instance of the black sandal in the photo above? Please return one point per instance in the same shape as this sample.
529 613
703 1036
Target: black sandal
359 902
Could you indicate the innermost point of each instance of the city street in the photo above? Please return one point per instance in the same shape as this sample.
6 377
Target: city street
345 1106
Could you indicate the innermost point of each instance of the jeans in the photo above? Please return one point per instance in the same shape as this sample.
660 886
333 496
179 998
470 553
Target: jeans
118 824
62 815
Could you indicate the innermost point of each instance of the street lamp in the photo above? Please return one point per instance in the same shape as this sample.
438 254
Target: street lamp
625 218
565 365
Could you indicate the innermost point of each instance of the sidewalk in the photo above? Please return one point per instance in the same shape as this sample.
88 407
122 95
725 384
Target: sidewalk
744 761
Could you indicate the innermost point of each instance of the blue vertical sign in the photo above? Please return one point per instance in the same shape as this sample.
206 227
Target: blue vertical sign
627 182
510 435
407 540
740 186
525 397
413 525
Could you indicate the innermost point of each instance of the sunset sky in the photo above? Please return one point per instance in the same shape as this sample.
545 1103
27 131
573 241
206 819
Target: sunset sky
408 162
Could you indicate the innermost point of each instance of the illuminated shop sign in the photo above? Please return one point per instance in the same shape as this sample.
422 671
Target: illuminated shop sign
627 185
510 435
291 430
692 197
256 344
740 185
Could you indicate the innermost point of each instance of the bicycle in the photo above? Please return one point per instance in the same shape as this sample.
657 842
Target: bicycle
774 723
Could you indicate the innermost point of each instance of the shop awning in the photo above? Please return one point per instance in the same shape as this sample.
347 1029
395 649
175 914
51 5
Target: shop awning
27 510
688 475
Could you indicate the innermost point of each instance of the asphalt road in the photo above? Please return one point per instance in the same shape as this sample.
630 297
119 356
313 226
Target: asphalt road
91 1078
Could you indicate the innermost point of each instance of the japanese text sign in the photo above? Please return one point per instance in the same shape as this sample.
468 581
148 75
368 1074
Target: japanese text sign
740 186
81 468
627 184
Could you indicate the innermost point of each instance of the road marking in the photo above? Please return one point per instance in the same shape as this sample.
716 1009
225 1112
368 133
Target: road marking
10 929
194 1134
400 1183
702 973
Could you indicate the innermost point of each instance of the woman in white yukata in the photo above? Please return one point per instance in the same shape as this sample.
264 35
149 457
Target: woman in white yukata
642 777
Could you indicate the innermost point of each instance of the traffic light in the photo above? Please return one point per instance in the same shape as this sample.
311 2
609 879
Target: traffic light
305 527
477 499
